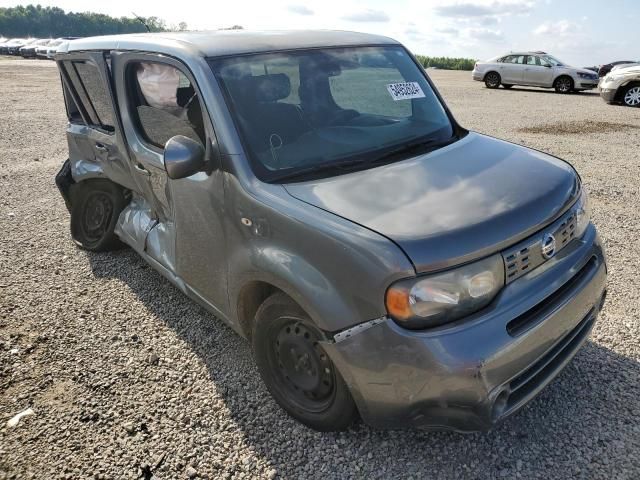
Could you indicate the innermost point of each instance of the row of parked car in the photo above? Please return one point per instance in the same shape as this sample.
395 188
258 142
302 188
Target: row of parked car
31 47
619 82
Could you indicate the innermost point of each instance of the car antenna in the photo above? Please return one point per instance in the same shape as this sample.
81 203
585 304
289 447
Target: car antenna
141 20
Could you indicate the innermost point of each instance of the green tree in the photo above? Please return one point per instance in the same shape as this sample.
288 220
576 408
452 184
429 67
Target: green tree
43 22
446 63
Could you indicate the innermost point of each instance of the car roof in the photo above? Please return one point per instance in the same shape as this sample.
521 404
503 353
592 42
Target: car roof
226 42
526 53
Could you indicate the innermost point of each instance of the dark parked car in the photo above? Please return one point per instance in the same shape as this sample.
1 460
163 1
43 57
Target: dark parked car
14 49
4 47
312 190
606 68
29 51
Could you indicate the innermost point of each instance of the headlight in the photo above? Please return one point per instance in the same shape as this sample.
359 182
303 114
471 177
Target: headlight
583 213
585 75
447 296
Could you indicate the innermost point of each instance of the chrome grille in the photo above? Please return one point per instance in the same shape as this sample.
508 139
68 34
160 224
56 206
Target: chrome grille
527 255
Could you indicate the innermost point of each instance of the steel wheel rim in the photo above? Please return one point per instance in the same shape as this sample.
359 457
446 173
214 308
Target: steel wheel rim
96 216
632 97
302 370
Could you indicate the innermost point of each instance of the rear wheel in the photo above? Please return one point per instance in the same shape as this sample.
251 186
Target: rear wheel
631 96
492 80
95 207
563 84
295 368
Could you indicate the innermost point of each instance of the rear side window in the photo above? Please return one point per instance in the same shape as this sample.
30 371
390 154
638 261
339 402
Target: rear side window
73 112
92 92
514 59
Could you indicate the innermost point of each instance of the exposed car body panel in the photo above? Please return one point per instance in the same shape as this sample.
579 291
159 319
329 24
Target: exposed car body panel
459 203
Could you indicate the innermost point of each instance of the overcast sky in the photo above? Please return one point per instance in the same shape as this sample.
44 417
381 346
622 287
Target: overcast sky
580 32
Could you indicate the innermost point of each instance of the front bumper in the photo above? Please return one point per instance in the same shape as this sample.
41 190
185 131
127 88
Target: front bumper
469 375
585 84
608 94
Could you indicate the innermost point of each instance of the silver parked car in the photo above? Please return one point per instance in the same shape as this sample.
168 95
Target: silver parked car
312 190
534 69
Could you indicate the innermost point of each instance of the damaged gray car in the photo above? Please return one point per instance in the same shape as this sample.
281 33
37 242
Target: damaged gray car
312 190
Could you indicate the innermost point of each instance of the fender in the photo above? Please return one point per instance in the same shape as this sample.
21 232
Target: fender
336 270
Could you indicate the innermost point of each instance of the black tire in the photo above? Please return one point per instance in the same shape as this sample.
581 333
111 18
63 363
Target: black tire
506 86
95 207
563 84
631 95
492 80
295 368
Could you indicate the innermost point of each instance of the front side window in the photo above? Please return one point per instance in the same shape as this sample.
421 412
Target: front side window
309 111
549 60
164 103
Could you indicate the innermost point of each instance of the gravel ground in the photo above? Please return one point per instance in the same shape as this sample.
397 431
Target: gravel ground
127 378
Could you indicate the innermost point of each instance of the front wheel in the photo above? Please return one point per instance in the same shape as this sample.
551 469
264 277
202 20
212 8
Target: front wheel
631 97
295 368
492 80
563 85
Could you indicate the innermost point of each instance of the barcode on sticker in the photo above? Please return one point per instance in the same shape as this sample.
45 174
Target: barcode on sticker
405 90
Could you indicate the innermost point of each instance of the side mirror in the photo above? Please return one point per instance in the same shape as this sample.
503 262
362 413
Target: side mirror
183 157
547 65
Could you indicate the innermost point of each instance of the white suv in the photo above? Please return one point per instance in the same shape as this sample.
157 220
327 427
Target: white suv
535 69
622 85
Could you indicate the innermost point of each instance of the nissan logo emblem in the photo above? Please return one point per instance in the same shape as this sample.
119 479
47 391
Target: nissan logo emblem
548 246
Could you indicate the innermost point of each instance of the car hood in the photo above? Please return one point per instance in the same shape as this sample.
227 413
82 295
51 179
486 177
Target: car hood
631 69
456 204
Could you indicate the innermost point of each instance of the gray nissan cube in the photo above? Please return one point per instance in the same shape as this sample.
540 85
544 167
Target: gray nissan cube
312 190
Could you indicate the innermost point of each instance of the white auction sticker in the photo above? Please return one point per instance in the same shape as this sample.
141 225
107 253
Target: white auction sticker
405 90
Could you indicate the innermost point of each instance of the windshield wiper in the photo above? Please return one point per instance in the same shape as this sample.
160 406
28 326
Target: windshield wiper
321 167
346 165
405 148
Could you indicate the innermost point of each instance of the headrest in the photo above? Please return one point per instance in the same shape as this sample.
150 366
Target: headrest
269 88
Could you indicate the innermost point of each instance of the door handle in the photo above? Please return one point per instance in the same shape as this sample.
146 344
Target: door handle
140 168
101 147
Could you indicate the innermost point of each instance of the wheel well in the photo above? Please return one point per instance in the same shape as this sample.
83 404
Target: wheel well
623 89
88 182
251 296
491 71
564 76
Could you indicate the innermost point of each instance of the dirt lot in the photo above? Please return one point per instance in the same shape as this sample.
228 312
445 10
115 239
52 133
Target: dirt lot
127 378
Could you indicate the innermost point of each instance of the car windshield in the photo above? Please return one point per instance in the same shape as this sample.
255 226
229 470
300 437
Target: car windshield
552 61
313 110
